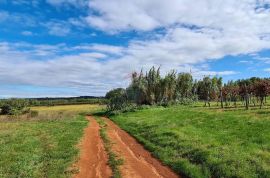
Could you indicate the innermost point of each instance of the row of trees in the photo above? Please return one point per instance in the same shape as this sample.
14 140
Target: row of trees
180 88
22 106
65 101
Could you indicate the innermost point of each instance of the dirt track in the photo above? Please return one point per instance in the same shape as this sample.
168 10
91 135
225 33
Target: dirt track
138 163
93 159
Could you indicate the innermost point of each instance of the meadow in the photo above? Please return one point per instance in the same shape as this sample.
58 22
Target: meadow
204 142
193 140
45 145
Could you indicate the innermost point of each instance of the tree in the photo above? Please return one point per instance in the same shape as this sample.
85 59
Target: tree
137 89
207 89
169 87
219 86
204 89
152 83
184 85
114 93
117 99
214 93
261 89
244 92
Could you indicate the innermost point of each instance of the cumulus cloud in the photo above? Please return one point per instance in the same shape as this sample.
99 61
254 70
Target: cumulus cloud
205 29
82 70
150 14
192 33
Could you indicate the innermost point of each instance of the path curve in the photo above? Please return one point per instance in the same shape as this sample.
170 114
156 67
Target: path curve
93 158
138 162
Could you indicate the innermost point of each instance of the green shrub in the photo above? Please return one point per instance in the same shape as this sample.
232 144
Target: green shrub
14 107
6 109
117 100
33 114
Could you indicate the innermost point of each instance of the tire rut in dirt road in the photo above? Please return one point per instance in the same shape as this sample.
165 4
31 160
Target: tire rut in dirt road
93 158
138 163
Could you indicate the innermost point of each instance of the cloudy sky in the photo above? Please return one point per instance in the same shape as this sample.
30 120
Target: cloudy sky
86 47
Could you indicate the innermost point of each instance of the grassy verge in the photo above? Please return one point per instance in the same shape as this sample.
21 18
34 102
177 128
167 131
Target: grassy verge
39 148
204 142
114 161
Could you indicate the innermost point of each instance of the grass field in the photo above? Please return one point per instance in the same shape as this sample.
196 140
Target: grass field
68 108
204 142
45 146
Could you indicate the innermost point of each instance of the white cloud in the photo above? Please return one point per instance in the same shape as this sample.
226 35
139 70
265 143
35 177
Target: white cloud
58 28
27 33
151 14
75 3
107 48
192 33
44 65
17 19
78 22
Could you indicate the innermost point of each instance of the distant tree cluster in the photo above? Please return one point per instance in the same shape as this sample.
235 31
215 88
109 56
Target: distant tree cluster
251 91
151 88
14 106
22 106
65 101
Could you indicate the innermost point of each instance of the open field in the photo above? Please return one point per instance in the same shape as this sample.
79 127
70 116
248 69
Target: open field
194 141
69 108
204 142
43 146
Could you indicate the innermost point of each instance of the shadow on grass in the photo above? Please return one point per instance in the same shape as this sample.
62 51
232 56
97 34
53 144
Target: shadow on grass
263 112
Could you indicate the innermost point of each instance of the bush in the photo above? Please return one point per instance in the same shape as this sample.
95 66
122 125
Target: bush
14 107
186 101
117 100
6 109
33 114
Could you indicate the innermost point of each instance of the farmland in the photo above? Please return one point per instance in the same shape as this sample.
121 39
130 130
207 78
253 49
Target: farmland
200 142
192 140
43 146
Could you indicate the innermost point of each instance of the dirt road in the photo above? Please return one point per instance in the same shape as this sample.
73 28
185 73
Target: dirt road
138 163
93 158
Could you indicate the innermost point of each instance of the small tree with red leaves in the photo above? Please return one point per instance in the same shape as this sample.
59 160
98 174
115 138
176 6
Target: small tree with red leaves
261 90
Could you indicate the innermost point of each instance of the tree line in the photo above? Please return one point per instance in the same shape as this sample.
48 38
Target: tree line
151 88
15 106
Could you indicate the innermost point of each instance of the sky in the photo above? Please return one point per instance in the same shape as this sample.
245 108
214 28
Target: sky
55 48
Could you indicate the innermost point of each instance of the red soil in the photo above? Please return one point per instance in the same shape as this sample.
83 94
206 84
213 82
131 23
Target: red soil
138 163
93 159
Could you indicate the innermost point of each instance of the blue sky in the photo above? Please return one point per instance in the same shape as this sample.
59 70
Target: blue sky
86 47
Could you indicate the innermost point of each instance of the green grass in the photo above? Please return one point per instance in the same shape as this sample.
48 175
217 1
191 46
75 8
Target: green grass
204 142
114 161
43 146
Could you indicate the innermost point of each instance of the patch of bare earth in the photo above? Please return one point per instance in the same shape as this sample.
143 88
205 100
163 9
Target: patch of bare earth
138 162
93 158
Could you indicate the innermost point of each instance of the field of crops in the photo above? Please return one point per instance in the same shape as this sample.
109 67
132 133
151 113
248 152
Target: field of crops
200 142
43 146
